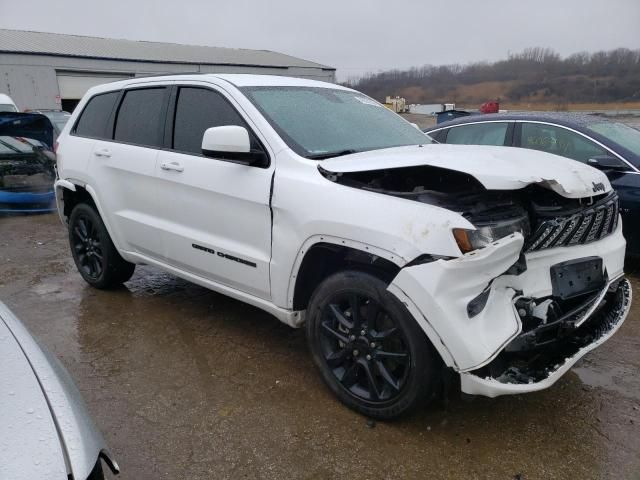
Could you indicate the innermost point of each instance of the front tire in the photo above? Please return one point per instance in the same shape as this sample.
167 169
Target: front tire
95 256
370 351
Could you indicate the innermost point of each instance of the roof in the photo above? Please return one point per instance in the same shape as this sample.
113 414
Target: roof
252 80
568 119
236 79
39 43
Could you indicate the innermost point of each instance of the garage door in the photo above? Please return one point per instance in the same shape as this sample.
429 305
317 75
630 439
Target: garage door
74 86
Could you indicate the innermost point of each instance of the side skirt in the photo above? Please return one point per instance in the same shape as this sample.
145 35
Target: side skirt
292 318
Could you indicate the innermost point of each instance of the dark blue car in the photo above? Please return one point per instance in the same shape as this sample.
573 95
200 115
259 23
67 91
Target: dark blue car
610 146
27 164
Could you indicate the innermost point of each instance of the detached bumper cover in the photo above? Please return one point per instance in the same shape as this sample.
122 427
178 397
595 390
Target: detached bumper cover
546 367
438 295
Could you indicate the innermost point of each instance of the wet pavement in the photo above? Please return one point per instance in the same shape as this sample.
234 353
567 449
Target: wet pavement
189 384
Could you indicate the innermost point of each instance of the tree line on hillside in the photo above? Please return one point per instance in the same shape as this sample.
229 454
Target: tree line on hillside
534 75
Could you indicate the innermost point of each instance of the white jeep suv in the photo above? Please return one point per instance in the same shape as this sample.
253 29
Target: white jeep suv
317 204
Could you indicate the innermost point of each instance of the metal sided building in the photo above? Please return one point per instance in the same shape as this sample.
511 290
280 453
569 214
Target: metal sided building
53 71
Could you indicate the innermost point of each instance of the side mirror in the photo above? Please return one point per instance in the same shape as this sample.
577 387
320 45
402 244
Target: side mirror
608 162
230 138
231 142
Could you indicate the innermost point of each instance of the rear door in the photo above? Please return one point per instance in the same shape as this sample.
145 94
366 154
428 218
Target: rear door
122 168
217 219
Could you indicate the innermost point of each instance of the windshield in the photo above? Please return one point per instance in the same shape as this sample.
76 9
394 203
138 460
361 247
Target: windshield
619 133
7 107
323 122
58 119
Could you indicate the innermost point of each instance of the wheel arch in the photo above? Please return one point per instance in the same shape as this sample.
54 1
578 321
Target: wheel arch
323 255
70 193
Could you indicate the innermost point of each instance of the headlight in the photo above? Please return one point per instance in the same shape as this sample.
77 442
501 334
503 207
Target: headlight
484 234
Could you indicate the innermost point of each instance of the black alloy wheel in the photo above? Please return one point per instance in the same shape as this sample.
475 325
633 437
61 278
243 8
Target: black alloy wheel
87 246
96 258
370 350
364 348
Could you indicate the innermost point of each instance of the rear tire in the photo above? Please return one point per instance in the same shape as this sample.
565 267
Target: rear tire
95 256
370 350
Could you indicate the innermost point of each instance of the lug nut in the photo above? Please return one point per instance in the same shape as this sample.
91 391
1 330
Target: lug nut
355 353
363 332
352 337
373 345
368 357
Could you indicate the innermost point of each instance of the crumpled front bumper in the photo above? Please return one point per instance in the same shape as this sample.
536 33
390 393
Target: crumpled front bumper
592 333
441 296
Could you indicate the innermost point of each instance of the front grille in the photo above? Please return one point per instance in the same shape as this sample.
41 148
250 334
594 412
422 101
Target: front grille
588 225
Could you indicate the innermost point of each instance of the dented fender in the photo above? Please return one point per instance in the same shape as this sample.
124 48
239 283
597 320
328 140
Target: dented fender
438 294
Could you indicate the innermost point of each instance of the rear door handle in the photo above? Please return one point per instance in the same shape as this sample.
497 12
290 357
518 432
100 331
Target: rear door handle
103 152
172 166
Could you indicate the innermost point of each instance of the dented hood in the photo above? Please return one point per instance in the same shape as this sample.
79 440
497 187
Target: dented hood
496 168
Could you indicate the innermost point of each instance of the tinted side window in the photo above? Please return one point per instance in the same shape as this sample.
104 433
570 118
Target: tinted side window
439 136
140 115
560 141
479 134
95 116
196 110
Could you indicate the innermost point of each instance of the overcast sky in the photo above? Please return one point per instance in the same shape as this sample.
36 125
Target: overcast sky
355 36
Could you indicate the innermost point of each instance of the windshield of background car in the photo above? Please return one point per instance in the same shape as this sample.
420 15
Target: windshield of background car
316 122
58 119
619 133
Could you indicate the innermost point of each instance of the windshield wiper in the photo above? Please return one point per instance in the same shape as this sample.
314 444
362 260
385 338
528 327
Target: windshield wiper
339 153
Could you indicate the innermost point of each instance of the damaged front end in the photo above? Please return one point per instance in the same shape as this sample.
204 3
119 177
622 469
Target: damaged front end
539 281
27 163
514 314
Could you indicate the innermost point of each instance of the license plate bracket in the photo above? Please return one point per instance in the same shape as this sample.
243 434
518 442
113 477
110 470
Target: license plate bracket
577 277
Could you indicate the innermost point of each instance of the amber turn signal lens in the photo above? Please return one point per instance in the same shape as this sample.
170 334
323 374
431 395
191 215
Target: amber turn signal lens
462 238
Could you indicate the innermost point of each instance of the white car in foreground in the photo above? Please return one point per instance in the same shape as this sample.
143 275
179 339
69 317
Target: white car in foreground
317 204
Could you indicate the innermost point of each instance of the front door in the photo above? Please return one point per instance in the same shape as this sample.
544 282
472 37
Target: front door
216 212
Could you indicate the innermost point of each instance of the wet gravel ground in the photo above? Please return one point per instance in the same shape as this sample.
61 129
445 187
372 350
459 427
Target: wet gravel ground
189 384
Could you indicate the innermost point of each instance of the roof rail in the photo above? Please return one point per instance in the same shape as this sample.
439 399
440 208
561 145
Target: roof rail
171 74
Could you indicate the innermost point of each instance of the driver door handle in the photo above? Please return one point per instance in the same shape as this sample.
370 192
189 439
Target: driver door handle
103 152
172 166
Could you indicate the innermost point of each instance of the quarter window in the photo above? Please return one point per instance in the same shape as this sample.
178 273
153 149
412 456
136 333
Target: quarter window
560 141
140 117
492 133
198 109
94 119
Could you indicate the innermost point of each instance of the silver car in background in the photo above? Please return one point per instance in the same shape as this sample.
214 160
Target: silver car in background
45 429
